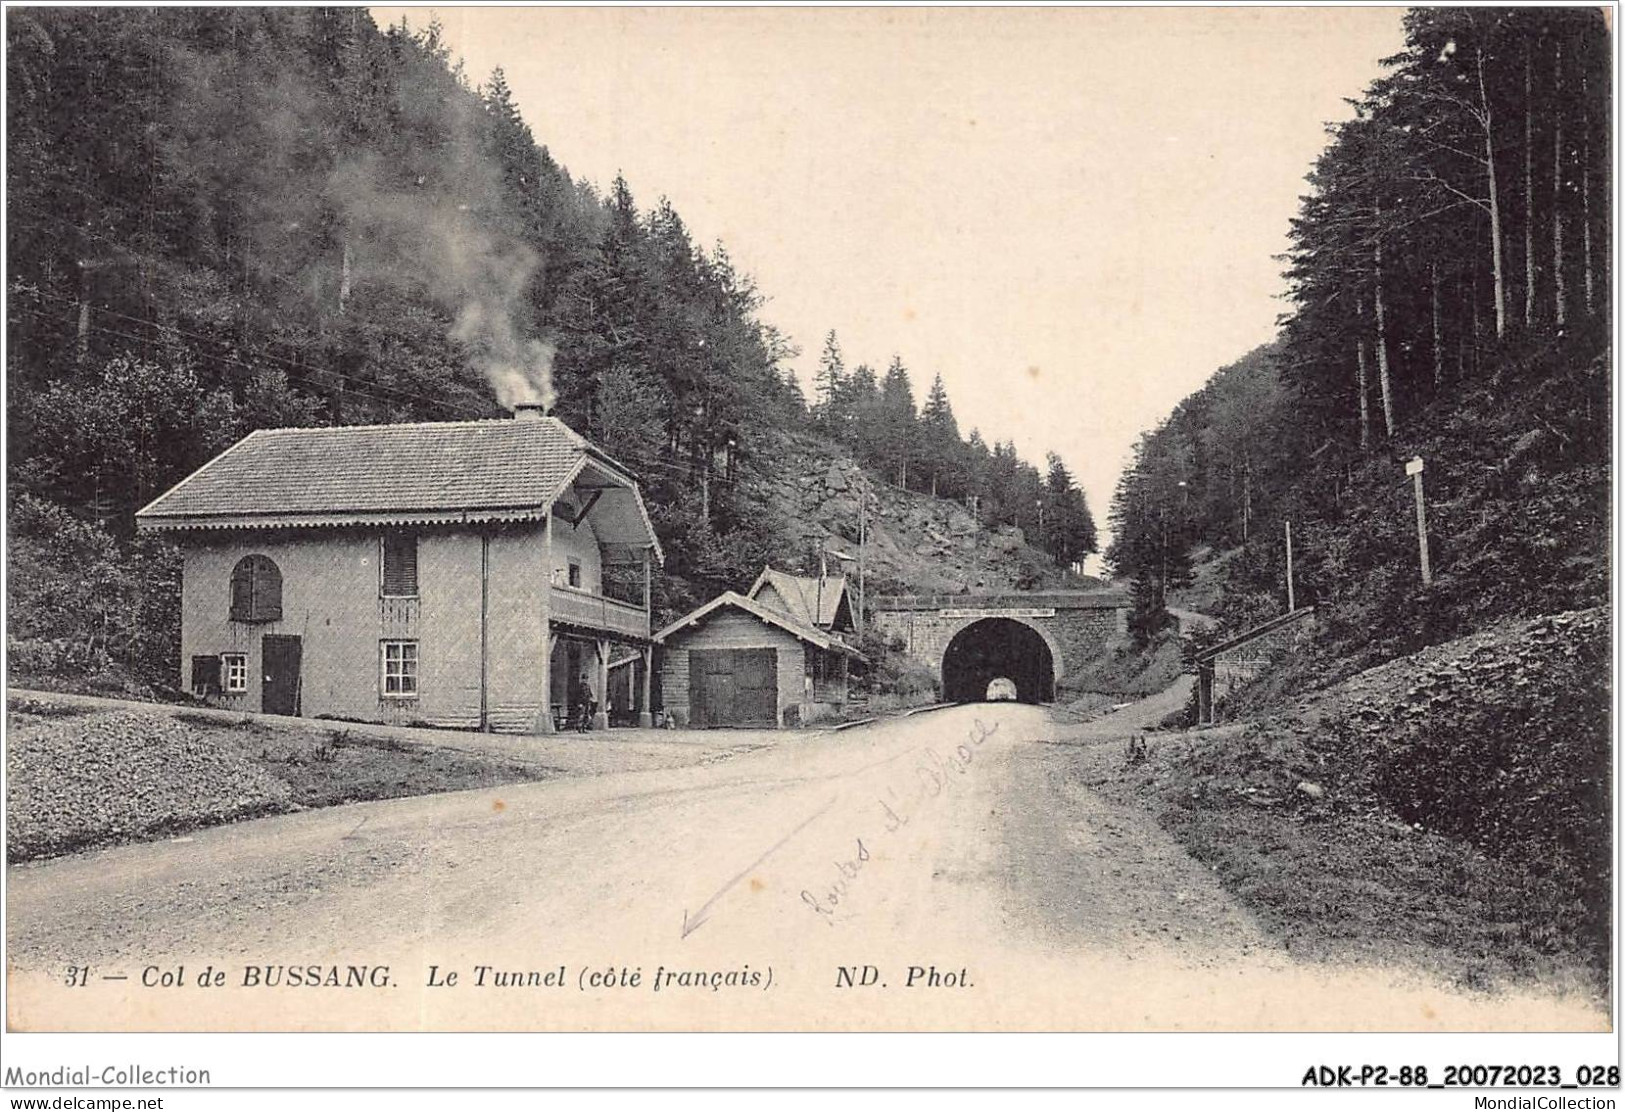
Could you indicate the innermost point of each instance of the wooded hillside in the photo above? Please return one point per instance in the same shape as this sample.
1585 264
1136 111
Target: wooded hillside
228 219
1449 277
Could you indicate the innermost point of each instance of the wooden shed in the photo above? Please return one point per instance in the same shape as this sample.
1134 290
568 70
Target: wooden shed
738 662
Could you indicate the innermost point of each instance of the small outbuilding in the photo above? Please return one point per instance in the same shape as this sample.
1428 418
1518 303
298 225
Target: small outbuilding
741 661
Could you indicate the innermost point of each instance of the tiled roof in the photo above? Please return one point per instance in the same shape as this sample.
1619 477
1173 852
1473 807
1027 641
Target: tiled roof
802 595
426 470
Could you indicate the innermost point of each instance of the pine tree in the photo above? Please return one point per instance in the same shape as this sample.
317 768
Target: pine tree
899 425
942 452
1069 527
860 398
829 390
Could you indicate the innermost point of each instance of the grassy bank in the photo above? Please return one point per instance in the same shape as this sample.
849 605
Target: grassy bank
1469 838
1343 879
1122 673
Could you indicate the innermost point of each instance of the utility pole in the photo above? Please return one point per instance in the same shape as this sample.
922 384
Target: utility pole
1162 584
703 438
863 539
1291 595
823 574
1413 468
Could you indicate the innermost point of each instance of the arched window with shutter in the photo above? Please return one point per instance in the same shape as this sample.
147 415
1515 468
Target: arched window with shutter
256 590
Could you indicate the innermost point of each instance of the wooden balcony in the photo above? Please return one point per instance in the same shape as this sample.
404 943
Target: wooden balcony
585 609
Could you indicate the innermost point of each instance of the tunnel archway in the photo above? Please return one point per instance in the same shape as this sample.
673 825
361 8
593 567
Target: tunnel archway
993 647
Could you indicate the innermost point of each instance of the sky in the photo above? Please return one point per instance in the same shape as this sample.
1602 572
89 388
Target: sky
1071 214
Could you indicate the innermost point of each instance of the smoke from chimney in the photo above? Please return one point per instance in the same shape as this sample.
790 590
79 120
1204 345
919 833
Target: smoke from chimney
434 238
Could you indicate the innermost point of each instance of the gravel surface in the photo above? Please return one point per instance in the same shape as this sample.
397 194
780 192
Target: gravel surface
74 780
86 772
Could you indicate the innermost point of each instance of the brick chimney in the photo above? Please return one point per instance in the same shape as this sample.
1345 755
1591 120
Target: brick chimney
529 411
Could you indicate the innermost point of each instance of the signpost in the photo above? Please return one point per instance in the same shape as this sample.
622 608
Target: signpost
1413 468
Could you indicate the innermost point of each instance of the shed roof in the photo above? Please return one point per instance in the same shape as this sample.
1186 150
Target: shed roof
786 622
408 473
802 593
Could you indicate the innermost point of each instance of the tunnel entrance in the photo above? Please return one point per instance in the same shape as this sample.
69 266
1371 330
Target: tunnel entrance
993 647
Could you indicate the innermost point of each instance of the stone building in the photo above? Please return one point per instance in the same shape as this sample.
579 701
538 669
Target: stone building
475 574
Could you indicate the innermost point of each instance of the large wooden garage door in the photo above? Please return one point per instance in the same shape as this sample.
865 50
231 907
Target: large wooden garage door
733 687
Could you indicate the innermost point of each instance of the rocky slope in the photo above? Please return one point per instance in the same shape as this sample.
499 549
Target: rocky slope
915 543
1448 810
1500 739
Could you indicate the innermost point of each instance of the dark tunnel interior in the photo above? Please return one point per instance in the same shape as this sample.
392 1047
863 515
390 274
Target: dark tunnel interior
994 647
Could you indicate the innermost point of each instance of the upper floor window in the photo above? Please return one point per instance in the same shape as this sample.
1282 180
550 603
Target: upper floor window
256 590
400 565
575 573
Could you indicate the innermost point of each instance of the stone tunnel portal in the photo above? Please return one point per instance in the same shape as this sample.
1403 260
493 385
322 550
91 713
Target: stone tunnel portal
993 647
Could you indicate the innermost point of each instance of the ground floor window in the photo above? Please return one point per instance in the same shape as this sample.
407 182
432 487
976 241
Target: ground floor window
205 675
825 671
234 672
400 669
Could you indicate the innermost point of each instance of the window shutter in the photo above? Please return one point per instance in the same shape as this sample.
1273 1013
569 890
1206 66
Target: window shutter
400 565
267 590
242 593
256 590
205 675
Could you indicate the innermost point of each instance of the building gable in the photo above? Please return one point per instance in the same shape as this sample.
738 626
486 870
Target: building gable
786 622
807 598
841 620
769 596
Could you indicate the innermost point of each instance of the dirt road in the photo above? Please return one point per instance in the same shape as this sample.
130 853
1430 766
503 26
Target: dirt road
943 871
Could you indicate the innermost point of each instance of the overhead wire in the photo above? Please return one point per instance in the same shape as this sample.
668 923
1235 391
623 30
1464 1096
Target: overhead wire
641 463
371 389
339 379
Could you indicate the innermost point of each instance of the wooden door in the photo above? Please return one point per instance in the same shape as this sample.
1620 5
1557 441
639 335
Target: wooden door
733 687
710 686
756 687
279 661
